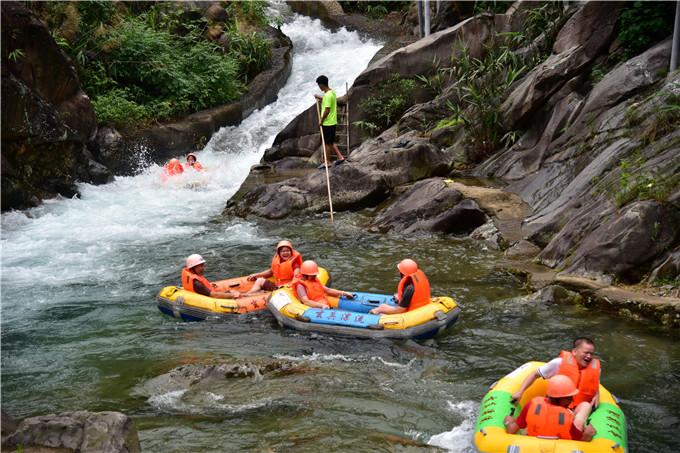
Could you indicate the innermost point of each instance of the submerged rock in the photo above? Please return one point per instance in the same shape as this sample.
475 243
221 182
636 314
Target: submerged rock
81 431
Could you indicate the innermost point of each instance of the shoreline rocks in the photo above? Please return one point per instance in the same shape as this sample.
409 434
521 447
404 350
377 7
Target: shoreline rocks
80 431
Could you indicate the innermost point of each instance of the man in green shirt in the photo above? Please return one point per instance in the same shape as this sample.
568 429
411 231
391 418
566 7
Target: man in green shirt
329 118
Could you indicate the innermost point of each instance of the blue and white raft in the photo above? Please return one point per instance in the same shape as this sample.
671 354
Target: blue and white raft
350 317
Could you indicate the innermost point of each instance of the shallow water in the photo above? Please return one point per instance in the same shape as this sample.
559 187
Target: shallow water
80 329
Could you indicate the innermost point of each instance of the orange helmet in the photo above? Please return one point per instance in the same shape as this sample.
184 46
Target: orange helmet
561 386
309 267
284 244
194 260
407 266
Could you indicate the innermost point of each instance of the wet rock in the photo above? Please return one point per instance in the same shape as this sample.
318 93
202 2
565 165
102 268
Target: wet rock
196 375
489 235
668 269
7 424
82 431
431 205
618 246
556 294
522 249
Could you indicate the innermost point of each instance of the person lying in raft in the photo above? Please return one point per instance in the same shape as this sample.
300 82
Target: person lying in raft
309 289
192 162
194 281
173 167
550 416
413 290
580 366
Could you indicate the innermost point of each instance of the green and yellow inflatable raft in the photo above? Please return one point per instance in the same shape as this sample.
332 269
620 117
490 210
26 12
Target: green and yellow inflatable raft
491 437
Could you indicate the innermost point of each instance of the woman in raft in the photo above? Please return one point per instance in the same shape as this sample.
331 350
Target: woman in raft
285 267
309 289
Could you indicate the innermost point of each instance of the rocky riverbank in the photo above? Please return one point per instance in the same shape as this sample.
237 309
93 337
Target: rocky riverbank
593 166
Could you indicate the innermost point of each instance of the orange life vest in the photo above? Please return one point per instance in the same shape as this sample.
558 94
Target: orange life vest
587 380
548 420
314 289
421 289
188 279
284 271
174 169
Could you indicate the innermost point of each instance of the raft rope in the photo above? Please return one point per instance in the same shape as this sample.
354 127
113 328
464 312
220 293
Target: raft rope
325 160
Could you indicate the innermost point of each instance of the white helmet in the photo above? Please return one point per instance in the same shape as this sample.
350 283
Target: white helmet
194 260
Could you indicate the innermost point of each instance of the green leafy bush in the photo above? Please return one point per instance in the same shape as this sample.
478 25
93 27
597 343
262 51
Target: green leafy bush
115 108
252 52
637 185
388 101
641 24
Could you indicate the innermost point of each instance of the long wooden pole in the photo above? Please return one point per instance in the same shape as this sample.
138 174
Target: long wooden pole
325 160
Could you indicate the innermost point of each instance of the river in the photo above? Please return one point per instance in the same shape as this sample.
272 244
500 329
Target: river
80 329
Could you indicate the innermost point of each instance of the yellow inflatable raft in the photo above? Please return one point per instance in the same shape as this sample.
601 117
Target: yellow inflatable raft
190 306
350 317
491 437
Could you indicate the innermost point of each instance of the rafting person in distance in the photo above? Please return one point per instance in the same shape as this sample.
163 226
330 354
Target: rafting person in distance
285 267
550 416
309 289
192 162
173 167
413 290
194 281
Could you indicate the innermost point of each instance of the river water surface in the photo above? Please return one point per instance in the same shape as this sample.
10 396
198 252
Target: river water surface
80 329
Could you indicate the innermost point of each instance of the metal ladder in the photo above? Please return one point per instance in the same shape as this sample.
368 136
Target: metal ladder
342 130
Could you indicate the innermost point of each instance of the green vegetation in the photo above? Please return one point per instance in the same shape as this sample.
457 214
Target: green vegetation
637 185
491 6
386 103
142 62
642 24
374 9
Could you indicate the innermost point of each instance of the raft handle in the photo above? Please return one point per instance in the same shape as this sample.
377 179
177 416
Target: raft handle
482 431
440 315
376 327
234 285
303 318
615 446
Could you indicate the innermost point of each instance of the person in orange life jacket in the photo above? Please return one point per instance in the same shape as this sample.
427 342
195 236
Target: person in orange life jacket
309 289
581 367
550 416
284 268
192 162
173 167
194 281
413 290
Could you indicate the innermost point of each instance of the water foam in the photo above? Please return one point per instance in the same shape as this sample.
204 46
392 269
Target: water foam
459 439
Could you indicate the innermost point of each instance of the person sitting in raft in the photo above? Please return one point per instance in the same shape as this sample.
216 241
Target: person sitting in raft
192 162
413 290
309 289
285 267
550 416
173 167
194 281
581 367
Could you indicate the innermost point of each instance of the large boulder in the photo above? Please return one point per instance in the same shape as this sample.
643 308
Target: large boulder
431 205
374 170
630 238
46 118
81 431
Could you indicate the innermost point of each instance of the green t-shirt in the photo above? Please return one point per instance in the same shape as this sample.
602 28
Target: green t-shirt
330 100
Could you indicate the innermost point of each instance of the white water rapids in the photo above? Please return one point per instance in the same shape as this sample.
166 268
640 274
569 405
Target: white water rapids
102 234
